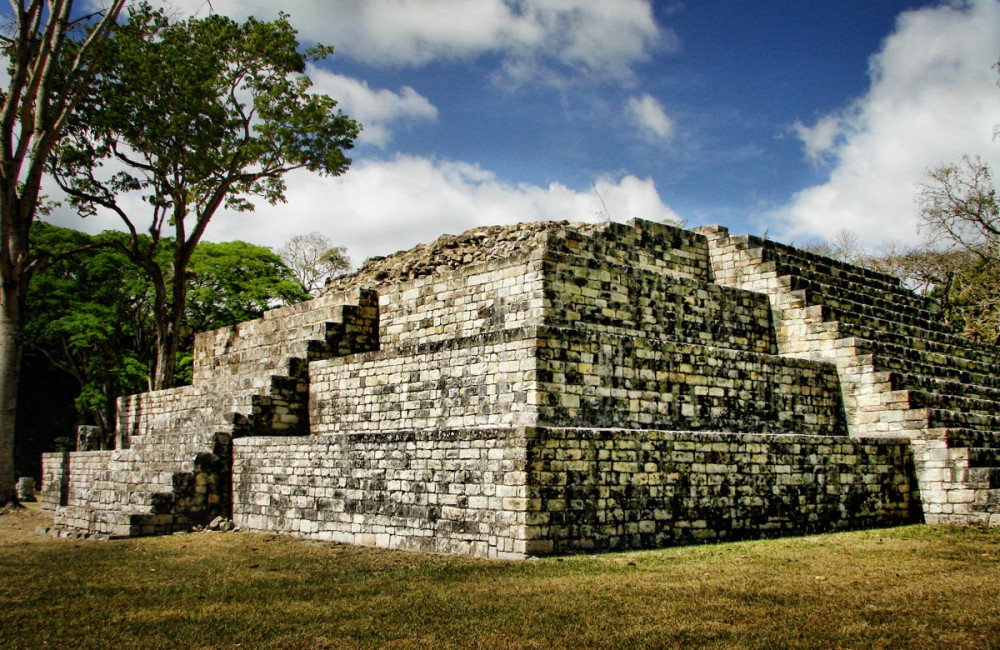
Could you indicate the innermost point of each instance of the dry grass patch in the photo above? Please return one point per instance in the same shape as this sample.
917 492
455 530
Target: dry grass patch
918 586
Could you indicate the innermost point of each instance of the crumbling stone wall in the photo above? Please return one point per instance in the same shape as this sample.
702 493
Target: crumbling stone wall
509 492
447 491
556 387
610 489
903 372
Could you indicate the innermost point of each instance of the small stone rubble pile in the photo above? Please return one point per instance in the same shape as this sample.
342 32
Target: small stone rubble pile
451 252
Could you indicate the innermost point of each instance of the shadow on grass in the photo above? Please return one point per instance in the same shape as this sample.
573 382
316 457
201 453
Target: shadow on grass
915 585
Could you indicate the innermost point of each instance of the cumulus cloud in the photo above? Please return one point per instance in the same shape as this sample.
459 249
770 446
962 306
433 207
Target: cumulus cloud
932 98
818 140
602 37
380 207
378 110
648 114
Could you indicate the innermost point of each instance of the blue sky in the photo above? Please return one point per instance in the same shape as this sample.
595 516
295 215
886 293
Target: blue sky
796 118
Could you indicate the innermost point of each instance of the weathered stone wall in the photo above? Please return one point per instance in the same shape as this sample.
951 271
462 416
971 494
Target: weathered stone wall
450 491
245 355
485 297
958 473
592 295
638 245
161 410
516 492
618 489
625 345
166 482
486 380
633 382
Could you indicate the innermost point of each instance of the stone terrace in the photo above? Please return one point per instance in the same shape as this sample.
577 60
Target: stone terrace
557 387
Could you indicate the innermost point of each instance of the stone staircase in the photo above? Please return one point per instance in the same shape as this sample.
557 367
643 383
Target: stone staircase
903 372
172 467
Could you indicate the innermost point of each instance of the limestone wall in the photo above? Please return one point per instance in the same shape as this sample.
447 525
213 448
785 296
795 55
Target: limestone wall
620 381
449 491
245 355
84 467
512 492
485 380
591 295
162 410
638 245
485 297
617 489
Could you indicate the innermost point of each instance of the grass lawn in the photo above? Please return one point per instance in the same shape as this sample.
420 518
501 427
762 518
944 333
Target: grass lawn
914 587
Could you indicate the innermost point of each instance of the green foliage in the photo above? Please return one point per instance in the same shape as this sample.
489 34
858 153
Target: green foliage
189 117
89 315
199 111
234 282
90 309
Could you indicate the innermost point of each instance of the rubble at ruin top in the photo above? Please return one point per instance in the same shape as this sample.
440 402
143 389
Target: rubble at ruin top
451 252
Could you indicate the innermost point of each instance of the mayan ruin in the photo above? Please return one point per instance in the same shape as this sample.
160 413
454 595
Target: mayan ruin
556 387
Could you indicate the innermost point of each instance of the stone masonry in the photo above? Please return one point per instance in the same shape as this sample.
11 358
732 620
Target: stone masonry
555 387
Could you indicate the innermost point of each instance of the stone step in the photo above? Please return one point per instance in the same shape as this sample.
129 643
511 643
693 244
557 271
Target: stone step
770 250
882 362
116 523
867 289
141 477
206 439
946 419
844 302
160 462
958 437
149 498
911 381
923 343
924 399
984 456
984 476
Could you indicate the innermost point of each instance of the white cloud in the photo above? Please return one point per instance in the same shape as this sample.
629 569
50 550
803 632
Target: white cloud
602 37
818 140
379 207
648 114
933 97
377 110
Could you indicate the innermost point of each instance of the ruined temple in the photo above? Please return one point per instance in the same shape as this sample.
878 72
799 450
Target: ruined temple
557 387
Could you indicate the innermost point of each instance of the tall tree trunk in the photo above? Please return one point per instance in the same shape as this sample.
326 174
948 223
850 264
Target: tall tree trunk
169 313
10 369
166 357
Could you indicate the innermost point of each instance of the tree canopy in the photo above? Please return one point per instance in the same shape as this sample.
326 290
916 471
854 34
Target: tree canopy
314 259
91 316
193 116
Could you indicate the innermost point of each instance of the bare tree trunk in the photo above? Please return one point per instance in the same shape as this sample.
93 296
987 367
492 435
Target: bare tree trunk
10 368
166 357
46 81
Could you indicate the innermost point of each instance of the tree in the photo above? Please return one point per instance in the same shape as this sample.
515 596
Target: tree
959 212
314 259
958 206
90 315
193 116
232 282
50 56
845 247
